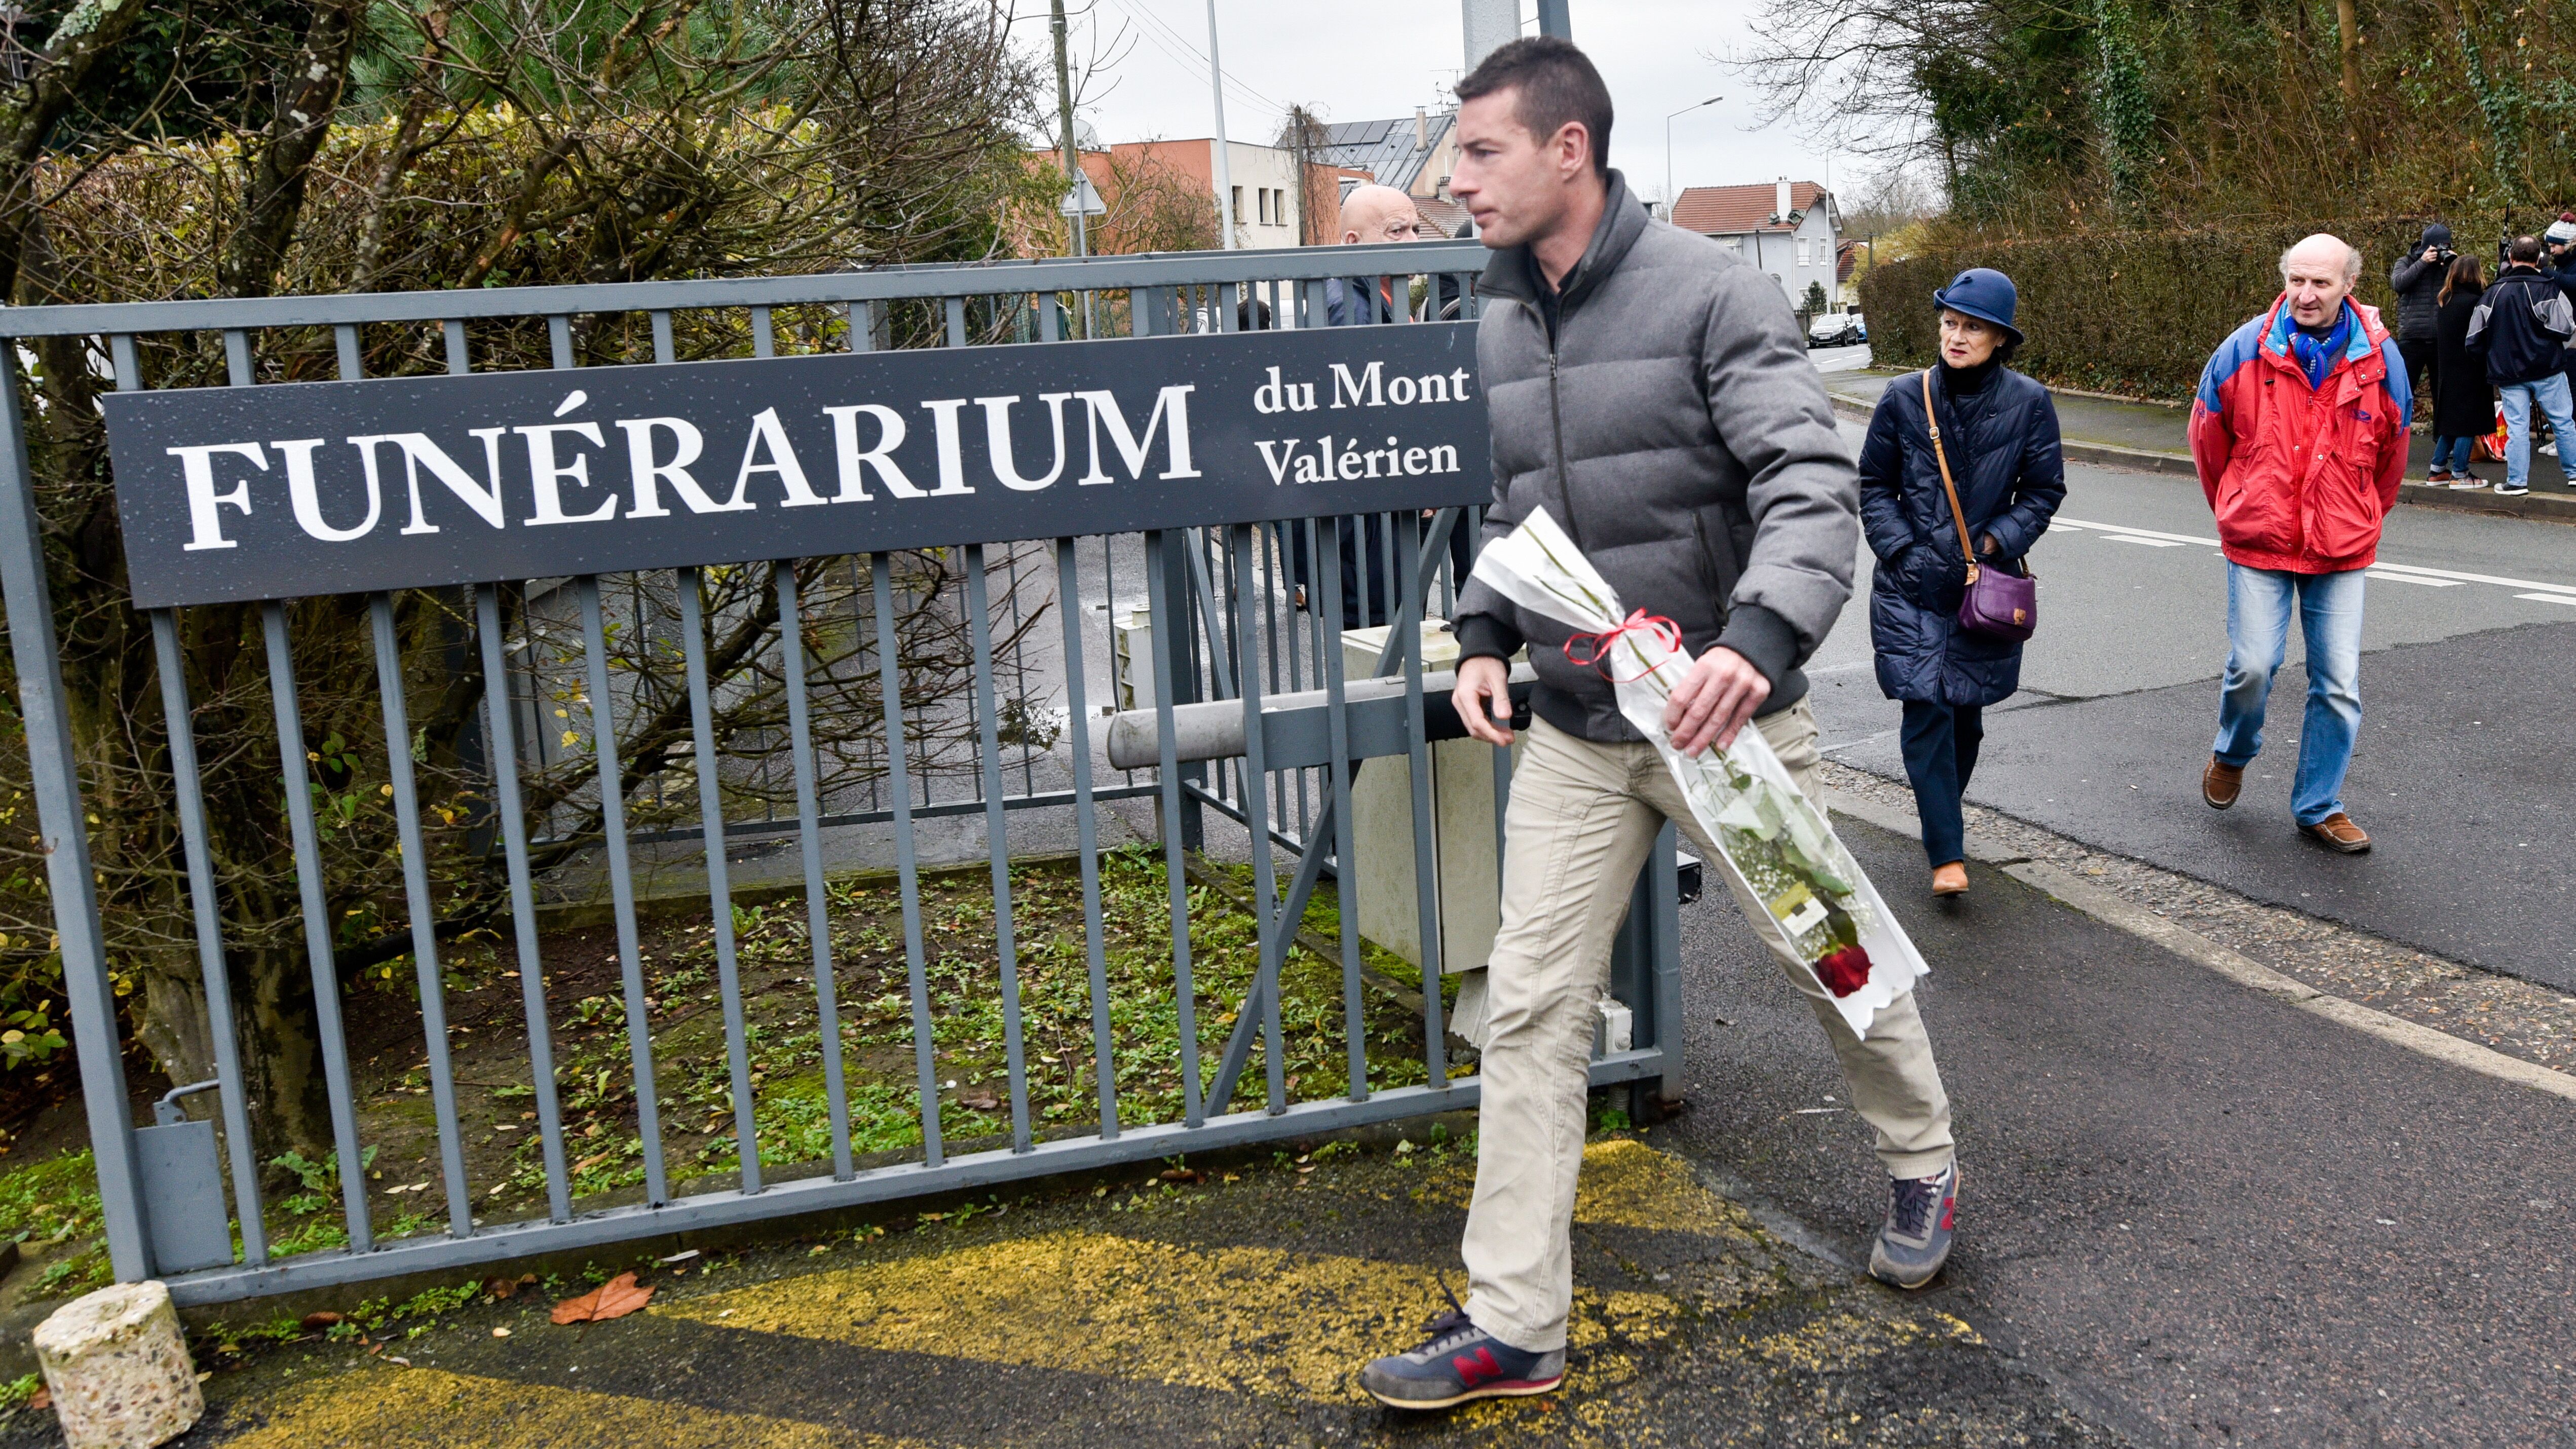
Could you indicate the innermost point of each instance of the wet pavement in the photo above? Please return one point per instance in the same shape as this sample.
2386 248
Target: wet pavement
1234 1310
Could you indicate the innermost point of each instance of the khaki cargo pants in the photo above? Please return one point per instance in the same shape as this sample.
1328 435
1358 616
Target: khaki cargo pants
1581 820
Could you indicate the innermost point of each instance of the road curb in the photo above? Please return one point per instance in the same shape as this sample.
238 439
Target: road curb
2133 919
2537 505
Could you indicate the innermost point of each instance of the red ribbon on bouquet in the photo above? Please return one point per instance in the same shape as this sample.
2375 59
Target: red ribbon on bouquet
1664 631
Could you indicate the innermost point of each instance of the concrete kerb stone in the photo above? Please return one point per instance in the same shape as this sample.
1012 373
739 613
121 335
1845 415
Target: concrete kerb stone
2136 920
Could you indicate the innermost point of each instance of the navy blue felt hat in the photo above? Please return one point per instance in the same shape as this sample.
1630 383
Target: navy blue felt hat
1982 293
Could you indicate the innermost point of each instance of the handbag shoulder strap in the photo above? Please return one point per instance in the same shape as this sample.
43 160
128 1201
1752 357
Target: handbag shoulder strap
1958 519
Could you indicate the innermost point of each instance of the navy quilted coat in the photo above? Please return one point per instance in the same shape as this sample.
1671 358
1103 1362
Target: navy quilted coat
2004 453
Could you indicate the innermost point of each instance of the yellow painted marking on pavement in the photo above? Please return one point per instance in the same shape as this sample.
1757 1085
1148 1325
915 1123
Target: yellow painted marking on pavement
388 1408
1232 1319
1626 1184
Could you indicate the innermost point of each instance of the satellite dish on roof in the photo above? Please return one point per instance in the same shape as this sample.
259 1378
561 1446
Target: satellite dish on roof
1085 135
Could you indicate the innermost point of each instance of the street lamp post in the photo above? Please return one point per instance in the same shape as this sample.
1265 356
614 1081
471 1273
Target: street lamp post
1670 196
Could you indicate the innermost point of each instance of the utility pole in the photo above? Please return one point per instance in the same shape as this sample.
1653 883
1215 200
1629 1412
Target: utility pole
1224 170
1553 19
1064 123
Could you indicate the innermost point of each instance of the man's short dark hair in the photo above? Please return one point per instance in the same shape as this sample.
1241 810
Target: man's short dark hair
2524 249
1556 83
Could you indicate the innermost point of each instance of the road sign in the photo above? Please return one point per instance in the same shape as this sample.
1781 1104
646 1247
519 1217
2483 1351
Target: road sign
1083 199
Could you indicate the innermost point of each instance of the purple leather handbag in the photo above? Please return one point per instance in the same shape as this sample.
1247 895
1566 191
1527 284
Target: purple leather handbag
1996 604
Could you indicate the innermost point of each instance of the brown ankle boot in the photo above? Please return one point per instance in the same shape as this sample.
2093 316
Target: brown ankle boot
1950 880
2221 783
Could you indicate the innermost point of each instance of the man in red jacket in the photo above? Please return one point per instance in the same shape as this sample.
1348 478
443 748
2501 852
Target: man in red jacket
2299 433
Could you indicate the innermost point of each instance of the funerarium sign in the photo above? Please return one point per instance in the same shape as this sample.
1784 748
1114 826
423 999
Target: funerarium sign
289 489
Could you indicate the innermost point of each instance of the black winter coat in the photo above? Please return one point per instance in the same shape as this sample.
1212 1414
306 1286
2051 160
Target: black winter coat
2004 453
2463 404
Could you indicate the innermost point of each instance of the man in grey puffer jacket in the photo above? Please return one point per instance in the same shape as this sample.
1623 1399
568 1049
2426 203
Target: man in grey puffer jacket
1651 392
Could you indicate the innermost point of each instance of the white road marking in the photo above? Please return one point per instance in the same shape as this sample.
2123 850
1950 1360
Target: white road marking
2552 592
2398 578
2549 598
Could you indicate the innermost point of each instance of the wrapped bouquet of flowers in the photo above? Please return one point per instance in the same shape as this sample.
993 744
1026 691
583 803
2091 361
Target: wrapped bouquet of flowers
1772 840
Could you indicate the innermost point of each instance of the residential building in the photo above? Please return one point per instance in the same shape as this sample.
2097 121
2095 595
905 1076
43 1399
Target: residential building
1790 229
1415 154
1267 197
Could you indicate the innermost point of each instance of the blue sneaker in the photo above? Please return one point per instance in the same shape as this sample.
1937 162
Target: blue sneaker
1460 1363
1916 1240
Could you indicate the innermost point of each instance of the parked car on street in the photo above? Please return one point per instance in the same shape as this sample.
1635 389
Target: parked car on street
1837 329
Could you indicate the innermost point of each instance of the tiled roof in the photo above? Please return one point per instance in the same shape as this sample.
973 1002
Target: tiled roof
1735 210
1385 149
1846 255
1449 216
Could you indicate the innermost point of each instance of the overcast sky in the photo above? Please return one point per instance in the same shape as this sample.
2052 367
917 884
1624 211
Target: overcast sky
1355 60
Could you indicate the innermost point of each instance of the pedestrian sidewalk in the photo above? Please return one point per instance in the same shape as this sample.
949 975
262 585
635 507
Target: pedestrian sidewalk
2151 437
1209 1304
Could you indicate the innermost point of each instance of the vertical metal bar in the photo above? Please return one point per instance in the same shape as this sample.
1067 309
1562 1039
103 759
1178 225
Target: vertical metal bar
237 359
1256 817
352 362
54 779
621 885
907 865
1175 865
1050 317
1176 657
711 827
455 338
1211 616
1086 834
424 915
862 331
955 308
764 336
292 753
188 786
498 710
809 834
122 358
559 340
998 844
1426 876
662 348
1337 727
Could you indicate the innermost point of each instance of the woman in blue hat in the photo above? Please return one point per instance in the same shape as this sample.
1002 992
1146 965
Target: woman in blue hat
1998 437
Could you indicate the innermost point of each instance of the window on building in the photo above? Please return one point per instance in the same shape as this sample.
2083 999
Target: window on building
1803 255
1261 203
1238 206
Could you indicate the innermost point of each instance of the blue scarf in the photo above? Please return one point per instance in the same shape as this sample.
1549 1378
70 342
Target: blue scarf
2317 358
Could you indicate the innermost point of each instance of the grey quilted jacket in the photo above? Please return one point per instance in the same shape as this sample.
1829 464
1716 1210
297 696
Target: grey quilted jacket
1673 425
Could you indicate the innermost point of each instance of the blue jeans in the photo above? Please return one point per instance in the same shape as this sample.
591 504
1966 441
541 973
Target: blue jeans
2258 635
2551 394
1940 743
2463 448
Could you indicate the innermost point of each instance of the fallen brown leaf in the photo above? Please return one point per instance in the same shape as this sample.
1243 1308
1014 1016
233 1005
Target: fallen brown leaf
979 1098
587 1163
316 1322
615 1298
506 1287
43 1399
1184 1174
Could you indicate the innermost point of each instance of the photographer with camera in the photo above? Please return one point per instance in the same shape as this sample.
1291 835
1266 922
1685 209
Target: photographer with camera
2417 280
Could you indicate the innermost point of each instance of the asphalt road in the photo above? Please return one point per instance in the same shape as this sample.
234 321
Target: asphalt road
2463 765
2207 1216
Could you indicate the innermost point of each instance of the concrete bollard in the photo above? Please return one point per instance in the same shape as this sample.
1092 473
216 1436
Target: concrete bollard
118 1369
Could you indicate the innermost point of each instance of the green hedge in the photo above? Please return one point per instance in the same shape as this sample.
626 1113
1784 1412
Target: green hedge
2136 314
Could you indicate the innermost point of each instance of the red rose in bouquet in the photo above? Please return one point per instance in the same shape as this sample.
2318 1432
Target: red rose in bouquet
1844 971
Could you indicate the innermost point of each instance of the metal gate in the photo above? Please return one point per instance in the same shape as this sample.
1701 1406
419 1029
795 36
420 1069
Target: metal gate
1231 649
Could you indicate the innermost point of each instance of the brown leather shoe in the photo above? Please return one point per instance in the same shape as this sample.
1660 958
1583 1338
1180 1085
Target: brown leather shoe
2221 783
1950 880
2337 832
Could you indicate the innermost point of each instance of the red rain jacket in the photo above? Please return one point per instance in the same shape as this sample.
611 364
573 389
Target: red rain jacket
2299 477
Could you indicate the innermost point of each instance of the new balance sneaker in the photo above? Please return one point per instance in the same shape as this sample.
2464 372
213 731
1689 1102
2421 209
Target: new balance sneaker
1916 1240
1460 1363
